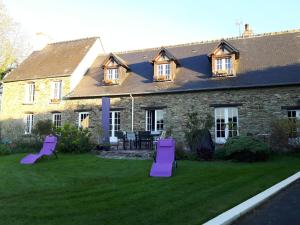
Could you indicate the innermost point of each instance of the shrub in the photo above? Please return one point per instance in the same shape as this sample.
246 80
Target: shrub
246 149
181 154
195 128
42 128
220 154
5 149
12 130
73 140
284 135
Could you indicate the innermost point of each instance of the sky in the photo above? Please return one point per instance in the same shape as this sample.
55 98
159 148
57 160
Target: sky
129 24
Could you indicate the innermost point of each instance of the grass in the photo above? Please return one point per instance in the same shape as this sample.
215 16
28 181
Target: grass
84 189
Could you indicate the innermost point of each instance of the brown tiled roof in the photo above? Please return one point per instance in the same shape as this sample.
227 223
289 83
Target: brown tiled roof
265 60
55 60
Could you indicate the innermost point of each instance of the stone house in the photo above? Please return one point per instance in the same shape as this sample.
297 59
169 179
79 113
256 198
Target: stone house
243 83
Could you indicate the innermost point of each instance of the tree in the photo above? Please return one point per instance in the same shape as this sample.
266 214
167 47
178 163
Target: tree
13 47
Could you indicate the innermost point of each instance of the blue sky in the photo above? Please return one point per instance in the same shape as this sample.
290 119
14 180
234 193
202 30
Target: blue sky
129 24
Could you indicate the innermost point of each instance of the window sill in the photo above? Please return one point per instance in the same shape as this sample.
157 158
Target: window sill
28 103
108 82
55 102
165 80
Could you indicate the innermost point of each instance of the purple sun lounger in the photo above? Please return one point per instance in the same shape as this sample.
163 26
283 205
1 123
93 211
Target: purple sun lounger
165 158
47 150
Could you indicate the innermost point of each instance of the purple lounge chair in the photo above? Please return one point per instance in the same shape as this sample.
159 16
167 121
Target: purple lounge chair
165 158
47 150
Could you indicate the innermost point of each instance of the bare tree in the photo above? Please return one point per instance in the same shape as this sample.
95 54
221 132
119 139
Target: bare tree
13 47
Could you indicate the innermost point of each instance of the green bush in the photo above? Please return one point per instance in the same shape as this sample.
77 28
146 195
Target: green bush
284 135
246 149
5 149
73 140
220 154
42 128
181 154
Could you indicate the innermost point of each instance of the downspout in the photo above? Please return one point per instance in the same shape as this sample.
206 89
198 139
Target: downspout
132 110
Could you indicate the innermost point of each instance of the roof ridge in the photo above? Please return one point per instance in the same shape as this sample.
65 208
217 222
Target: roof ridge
210 41
73 40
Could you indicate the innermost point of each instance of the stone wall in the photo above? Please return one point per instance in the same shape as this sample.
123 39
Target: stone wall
256 107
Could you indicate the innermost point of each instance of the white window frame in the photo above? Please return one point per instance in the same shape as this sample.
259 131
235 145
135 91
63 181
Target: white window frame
56 90
156 121
113 73
222 140
224 65
113 126
81 118
296 117
164 70
56 120
28 122
29 92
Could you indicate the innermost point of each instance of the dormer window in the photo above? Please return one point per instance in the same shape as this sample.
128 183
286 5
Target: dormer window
224 60
164 65
164 71
223 66
113 74
115 70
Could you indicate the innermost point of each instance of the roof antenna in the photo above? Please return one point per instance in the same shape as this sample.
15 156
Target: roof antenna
239 23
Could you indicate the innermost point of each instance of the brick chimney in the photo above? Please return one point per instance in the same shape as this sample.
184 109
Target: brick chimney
247 32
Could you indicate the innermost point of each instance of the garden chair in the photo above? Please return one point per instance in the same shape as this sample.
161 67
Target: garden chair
48 149
165 159
145 137
131 138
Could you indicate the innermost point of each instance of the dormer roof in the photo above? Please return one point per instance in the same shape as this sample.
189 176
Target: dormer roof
164 52
117 59
226 48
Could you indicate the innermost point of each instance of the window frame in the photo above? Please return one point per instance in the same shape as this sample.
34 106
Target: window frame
58 92
113 126
56 123
222 64
28 121
164 70
226 124
80 114
158 125
29 93
113 74
294 118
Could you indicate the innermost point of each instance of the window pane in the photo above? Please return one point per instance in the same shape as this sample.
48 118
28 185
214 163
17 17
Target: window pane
159 120
84 120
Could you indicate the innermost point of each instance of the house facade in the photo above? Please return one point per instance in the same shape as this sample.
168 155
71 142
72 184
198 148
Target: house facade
243 83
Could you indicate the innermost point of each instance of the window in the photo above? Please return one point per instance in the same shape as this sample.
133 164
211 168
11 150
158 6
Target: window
28 121
226 124
113 74
155 120
164 70
228 64
29 92
219 64
84 118
114 125
56 90
224 65
293 116
56 119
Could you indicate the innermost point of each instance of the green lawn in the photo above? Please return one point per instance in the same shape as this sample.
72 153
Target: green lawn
84 189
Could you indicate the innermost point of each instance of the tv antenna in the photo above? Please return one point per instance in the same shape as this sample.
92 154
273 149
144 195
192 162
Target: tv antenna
239 23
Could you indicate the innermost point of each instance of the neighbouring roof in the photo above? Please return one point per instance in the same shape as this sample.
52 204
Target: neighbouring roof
55 60
265 60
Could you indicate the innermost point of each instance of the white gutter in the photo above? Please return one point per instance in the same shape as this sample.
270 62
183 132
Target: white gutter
132 111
